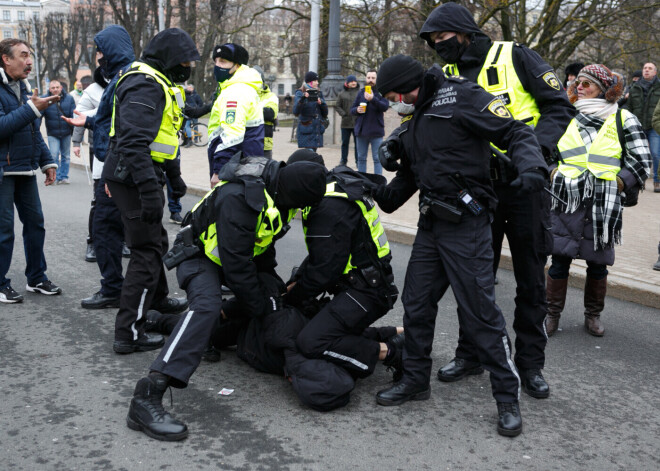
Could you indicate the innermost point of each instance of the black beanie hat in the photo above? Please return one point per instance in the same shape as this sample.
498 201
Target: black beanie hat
311 76
232 52
305 155
300 184
400 73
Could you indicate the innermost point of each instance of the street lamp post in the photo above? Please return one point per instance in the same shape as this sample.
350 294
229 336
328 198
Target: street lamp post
333 82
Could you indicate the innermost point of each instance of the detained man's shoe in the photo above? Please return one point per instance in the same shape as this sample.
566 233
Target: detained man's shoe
402 392
45 287
9 295
509 422
211 354
171 305
457 369
99 301
125 251
395 361
534 383
90 255
175 218
144 343
147 414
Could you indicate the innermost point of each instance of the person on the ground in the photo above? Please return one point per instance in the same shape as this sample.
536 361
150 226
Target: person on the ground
236 122
604 155
231 232
343 108
533 94
147 114
369 107
444 150
311 110
349 258
23 152
58 131
643 98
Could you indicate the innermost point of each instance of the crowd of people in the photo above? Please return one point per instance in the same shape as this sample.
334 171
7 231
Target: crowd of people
492 141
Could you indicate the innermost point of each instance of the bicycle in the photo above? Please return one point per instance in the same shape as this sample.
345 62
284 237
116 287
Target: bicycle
199 134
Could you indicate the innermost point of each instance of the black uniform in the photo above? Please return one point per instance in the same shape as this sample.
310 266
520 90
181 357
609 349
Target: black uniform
525 219
457 119
134 178
336 231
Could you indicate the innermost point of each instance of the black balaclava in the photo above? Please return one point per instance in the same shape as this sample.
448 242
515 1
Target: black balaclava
305 155
300 184
401 74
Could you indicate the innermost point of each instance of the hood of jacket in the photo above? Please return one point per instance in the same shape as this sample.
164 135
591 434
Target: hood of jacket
168 48
116 46
246 75
449 17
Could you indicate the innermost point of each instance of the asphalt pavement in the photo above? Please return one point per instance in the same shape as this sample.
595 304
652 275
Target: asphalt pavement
64 394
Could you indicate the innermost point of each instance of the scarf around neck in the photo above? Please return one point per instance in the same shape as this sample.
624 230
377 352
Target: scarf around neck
598 107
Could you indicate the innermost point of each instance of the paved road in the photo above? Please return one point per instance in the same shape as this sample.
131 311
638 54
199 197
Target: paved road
64 394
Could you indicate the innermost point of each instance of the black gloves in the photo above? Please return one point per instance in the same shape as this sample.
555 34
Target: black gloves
179 187
383 193
529 182
152 207
389 153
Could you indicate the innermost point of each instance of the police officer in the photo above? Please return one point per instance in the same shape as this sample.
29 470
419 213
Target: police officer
349 257
147 115
270 104
533 94
444 149
237 120
234 226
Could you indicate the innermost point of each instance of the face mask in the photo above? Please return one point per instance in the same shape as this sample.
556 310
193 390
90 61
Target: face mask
179 73
403 108
103 67
221 74
450 50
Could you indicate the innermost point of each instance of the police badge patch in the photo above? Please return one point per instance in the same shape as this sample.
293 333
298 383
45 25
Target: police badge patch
230 116
551 79
498 109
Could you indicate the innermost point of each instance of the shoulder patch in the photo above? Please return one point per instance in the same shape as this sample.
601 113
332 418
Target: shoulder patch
498 109
230 116
551 79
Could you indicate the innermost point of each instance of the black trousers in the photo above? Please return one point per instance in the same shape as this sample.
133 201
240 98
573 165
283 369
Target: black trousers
108 237
182 353
525 220
461 256
145 279
336 332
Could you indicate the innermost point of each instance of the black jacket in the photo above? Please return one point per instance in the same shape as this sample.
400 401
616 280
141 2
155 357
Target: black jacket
449 133
556 110
237 208
139 110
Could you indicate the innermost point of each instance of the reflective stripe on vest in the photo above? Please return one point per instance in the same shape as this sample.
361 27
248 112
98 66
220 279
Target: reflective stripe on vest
166 144
370 216
269 224
603 158
498 76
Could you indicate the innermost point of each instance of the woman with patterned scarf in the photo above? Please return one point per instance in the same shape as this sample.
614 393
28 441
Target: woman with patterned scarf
604 159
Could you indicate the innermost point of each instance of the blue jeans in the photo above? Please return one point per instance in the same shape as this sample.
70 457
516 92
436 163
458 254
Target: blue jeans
22 191
173 204
60 146
346 134
654 144
362 145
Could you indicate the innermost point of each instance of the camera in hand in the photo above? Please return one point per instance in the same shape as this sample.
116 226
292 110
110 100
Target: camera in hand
313 94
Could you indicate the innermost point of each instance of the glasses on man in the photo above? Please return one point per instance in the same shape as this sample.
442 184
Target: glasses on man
585 83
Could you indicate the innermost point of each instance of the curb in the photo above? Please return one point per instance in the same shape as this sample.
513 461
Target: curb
619 286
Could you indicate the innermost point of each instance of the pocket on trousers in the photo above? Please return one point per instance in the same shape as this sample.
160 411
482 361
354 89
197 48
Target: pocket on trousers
133 214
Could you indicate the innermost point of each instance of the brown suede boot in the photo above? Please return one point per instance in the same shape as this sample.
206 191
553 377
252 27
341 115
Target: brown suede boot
594 302
555 293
